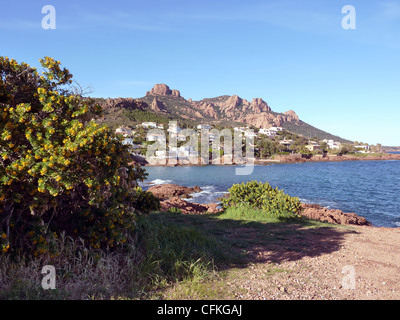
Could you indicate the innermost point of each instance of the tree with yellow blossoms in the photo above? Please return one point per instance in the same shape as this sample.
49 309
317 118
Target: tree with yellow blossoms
60 171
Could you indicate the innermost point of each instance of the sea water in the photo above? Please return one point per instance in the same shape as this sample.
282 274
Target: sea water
368 188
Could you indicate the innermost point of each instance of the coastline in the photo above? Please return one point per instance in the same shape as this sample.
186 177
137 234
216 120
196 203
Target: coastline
320 212
331 158
293 158
175 196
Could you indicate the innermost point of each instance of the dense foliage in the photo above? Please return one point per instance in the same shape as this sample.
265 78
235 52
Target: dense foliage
262 196
59 170
139 116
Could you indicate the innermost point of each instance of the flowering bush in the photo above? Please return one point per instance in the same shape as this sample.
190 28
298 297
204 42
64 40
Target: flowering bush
59 169
263 196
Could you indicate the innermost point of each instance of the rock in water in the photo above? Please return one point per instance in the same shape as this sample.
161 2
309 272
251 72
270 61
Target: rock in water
166 191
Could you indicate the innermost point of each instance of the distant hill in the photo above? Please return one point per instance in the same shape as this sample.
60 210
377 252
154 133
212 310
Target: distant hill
162 104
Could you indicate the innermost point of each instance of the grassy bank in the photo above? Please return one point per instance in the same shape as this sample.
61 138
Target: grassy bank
174 256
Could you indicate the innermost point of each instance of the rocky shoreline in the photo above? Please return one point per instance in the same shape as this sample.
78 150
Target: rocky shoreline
292 158
296 158
317 212
173 196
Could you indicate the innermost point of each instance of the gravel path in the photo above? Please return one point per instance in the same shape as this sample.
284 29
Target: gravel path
353 263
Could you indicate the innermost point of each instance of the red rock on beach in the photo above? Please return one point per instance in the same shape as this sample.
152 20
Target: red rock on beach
189 207
166 191
171 197
316 212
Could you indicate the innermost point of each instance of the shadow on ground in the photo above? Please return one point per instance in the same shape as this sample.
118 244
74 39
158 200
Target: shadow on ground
241 242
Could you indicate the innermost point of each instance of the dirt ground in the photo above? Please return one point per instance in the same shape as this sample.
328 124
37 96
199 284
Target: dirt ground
355 263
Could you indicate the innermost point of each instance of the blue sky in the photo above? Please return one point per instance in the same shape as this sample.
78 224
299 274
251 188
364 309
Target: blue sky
294 54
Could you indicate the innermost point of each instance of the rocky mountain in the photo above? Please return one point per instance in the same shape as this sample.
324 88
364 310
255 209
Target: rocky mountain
224 108
168 103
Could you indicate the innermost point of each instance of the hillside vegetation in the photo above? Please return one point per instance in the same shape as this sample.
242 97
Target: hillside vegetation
163 105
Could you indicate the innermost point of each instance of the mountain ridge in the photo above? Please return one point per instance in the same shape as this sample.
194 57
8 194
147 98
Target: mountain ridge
169 104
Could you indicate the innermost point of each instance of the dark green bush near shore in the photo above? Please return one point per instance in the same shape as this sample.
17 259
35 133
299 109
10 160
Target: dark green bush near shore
61 172
262 196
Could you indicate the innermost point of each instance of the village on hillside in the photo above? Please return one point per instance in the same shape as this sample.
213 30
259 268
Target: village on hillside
267 142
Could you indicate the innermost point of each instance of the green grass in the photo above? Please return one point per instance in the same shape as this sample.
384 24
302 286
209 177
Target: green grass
250 214
234 234
174 256
364 155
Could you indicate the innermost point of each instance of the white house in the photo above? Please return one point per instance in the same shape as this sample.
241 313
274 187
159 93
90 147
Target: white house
271 132
182 152
129 141
204 127
276 129
160 154
267 132
148 125
286 143
250 134
240 129
125 131
313 145
155 137
174 129
365 147
332 144
179 136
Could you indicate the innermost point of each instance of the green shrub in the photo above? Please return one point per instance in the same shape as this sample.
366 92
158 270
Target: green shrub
60 170
146 202
262 196
175 210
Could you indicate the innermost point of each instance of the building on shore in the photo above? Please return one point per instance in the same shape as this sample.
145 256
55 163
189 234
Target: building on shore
332 144
313 146
271 132
148 125
204 127
155 137
125 131
286 143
